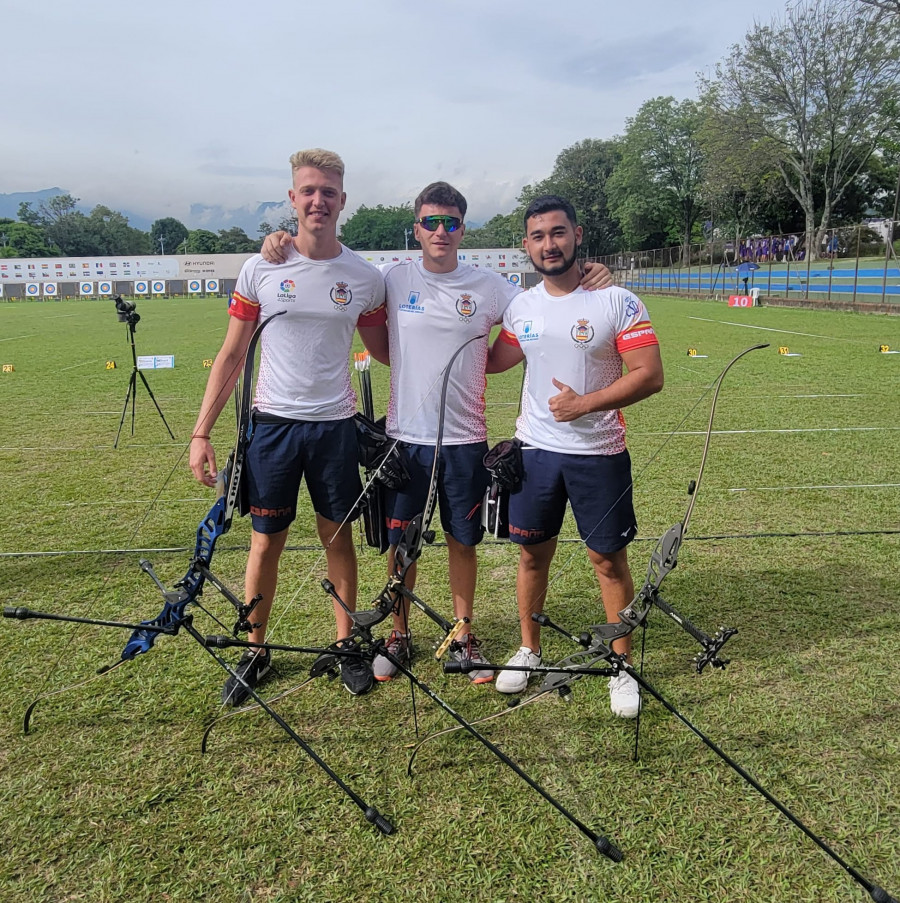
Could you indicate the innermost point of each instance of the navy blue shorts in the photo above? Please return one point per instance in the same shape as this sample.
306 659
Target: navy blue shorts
281 453
597 486
462 481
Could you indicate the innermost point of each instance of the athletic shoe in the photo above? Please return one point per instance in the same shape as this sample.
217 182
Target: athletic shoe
624 695
249 672
356 675
467 651
398 645
516 681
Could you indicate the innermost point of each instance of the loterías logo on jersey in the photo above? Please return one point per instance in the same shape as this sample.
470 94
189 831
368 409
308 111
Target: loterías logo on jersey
582 333
412 305
465 306
341 294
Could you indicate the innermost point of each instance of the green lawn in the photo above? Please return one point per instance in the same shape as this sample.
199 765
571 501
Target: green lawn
793 541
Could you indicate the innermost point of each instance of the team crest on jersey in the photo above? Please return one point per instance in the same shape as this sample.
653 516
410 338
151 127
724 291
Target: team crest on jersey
582 333
465 306
341 294
631 308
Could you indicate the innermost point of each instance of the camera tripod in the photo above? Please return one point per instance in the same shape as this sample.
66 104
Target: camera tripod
131 317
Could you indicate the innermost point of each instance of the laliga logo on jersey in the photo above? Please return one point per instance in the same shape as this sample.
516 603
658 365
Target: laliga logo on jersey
341 294
465 306
582 333
287 288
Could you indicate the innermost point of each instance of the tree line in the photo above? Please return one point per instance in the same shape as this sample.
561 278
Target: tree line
797 132
57 228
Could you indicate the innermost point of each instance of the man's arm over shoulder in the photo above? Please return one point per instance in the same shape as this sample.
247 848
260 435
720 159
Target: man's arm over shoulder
275 246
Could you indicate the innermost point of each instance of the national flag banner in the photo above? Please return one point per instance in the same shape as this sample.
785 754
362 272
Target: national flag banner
194 286
141 287
85 289
50 290
104 288
212 286
32 289
158 287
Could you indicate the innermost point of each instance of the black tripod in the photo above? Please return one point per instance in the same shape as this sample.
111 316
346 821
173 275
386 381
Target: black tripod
128 315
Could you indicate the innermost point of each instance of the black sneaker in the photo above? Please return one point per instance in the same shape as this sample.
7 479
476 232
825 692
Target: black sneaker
356 675
250 671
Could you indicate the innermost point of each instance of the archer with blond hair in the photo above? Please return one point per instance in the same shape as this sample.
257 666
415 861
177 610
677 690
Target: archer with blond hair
304 405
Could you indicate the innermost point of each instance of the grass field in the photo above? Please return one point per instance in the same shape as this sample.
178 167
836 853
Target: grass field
795 541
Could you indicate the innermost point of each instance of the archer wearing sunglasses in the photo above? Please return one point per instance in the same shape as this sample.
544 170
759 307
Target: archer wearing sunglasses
433 223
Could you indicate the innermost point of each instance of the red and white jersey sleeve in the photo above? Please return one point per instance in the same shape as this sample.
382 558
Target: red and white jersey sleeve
430 315
577 339
304 371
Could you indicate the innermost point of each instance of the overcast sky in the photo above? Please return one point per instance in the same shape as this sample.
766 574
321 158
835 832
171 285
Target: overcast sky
153 107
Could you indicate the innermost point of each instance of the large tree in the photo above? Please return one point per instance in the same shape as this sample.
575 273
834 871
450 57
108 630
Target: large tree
380 228
580 175
505 230
65 226
819 87
657 185
111 235
202 241
167 235
889 6
236 241
22 240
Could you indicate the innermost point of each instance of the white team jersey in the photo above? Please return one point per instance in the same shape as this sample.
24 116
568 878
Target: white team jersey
577 339
304 369
430 315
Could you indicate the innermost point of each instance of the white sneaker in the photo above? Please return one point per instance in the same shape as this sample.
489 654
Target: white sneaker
516 681
624 695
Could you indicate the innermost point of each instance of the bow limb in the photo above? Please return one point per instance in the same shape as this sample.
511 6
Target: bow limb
418 532
216 524
664 559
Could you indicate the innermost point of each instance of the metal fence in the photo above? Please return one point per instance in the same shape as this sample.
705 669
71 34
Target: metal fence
855 265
